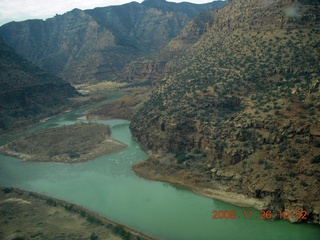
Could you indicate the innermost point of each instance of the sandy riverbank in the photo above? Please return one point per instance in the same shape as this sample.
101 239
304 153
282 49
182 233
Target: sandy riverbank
231 198
219 193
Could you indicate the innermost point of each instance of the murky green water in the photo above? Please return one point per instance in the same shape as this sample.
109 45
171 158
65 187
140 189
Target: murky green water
108 186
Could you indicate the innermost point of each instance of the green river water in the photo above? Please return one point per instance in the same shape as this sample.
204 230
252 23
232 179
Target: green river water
108 186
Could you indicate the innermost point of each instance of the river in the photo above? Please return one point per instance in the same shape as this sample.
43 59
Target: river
108 186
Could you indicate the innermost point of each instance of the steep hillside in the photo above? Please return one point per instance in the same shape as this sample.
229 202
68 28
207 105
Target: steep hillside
150 68
240 108
28 93
95 45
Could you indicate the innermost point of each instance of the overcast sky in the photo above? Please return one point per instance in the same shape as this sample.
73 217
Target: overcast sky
18 10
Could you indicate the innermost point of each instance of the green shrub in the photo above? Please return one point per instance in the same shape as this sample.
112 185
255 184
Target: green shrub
119 231
51 202
268 148
126 236
82 213
315 159
68 208
93 219
267 166
7 190
292 174
294 153
282 147
197 151
278 177
94 236
303 183
181 157
316 143
291 161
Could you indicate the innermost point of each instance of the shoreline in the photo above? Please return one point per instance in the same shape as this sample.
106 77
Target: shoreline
28 157
218 191
92 217
220 194
135 234
67 144
236 199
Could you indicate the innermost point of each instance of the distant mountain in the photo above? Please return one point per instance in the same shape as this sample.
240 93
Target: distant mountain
150 68
27 92
238 106
95 45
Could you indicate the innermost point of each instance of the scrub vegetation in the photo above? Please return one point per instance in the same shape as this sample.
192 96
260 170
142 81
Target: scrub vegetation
48 218
70 144
247 93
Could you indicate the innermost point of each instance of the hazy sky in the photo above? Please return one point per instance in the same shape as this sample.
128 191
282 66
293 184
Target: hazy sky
18 10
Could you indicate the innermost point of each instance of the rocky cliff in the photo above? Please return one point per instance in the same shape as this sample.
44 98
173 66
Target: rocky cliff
27 92
95 45
150 68
240 107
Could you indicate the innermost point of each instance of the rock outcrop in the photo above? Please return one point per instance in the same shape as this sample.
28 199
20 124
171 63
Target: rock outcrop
151 68
95 45
245 94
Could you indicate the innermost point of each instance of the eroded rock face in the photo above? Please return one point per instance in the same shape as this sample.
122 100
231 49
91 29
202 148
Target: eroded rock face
142 70
243 95
151 68
95 45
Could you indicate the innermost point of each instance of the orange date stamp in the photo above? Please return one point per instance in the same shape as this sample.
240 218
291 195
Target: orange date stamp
264 214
